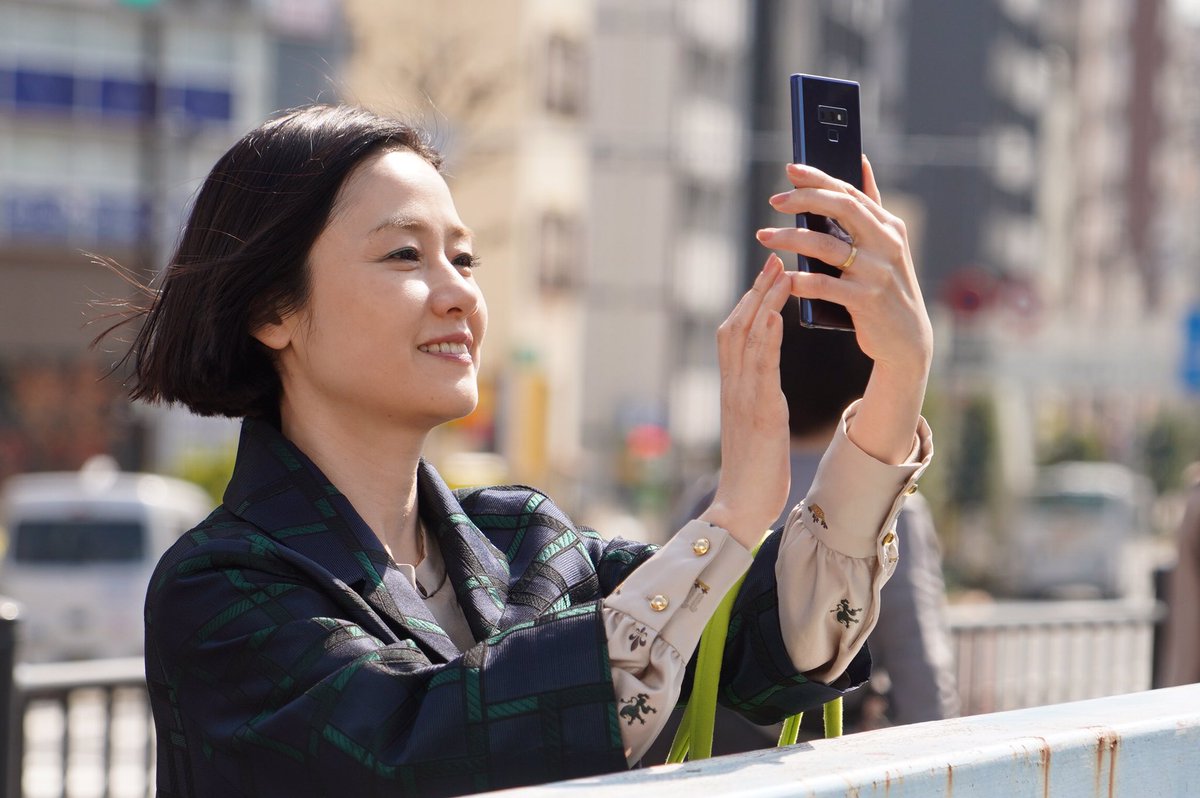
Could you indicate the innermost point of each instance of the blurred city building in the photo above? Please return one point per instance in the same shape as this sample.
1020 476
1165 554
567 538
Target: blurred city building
111 111
614 158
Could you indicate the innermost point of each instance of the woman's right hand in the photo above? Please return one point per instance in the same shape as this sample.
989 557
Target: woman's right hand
755 466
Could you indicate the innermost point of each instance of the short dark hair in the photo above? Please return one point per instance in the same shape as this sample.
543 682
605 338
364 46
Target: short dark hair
821 371
243 257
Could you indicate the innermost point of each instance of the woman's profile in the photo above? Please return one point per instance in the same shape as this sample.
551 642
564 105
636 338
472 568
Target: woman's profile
345 624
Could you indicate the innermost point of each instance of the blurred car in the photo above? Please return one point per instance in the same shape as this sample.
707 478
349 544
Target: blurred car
1083 531
80 548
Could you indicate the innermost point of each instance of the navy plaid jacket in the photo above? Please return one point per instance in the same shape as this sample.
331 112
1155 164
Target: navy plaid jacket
286 656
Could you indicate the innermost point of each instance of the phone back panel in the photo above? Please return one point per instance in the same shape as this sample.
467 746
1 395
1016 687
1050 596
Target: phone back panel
827 134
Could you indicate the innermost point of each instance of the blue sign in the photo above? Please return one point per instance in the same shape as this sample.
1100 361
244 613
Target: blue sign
124 97
1190 367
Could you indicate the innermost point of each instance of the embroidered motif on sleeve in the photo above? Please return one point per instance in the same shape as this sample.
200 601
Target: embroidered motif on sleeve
638 638
818 515
845 615
635 708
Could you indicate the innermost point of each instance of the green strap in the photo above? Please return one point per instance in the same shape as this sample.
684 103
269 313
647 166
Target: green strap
694 737
791 730
833 718
695 734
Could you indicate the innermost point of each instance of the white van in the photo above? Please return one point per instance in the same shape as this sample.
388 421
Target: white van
1083 531
79 551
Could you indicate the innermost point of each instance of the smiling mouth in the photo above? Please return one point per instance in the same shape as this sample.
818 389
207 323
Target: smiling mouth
444 349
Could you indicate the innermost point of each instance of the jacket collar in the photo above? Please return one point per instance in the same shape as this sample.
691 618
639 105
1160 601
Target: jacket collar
476 568
277 488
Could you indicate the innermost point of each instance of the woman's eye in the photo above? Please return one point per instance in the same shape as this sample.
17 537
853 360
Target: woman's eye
407 253
466 261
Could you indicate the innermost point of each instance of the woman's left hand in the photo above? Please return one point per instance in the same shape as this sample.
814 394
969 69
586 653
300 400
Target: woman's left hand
879 288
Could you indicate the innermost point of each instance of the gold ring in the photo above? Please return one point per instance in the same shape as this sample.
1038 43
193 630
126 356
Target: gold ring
849 261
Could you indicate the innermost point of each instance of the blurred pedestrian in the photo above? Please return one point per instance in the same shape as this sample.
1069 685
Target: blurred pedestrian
1181 634
345 624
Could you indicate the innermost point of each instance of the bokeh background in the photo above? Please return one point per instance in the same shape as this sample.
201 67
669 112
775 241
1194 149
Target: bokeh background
614 158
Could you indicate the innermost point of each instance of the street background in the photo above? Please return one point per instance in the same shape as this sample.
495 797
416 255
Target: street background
614 158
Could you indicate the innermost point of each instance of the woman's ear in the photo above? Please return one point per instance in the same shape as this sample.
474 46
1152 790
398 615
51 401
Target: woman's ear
275 333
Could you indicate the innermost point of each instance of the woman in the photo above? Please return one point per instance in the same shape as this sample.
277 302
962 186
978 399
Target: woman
343 624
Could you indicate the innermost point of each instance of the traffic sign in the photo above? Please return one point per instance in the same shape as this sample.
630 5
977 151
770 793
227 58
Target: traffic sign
1190 367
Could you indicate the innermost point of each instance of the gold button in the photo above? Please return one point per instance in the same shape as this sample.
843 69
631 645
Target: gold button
911 489
889 538
701 547
659 603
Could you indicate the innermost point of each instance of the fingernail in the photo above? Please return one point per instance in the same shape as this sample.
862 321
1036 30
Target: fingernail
795 167
778 198
765 234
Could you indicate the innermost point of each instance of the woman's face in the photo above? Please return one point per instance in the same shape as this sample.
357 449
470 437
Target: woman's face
393 325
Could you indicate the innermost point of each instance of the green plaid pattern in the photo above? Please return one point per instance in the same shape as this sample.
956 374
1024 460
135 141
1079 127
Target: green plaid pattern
287 656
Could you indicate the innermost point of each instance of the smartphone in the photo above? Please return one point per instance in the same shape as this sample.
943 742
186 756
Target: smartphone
827 134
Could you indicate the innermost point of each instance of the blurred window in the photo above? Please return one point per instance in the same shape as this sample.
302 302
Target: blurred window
44 90
133 99
564 81
35 214
1073 502
202 105
121 219
708 72
561 246
70 542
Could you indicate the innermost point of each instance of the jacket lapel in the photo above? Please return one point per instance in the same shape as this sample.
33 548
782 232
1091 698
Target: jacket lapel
278 489
476 568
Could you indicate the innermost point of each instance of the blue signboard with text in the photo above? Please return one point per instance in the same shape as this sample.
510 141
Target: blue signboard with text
1190 367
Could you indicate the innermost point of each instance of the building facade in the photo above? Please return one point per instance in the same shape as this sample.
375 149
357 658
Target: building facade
110 115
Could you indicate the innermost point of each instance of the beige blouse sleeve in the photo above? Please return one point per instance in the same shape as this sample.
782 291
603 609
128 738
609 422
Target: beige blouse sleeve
654 620
839 548
661 609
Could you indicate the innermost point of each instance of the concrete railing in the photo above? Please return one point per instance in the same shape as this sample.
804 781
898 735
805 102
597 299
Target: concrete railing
1134 745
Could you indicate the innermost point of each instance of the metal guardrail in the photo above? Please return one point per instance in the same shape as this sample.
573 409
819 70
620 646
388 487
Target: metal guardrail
1017 654
86 729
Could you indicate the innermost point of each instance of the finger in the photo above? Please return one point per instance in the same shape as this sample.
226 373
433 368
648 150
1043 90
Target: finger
870 186
814 285
809 243
766 334
803 176
732 333
852 214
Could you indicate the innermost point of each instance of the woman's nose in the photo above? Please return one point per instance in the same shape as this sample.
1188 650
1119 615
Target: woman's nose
453 292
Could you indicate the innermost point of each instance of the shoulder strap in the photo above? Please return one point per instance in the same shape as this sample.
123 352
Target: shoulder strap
694 738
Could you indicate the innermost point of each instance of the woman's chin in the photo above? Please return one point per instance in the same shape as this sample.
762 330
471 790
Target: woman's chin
461 405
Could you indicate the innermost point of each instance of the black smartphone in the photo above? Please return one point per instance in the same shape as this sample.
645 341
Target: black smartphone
827 134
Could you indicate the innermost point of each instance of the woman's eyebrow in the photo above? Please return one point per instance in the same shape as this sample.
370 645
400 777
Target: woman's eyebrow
412 223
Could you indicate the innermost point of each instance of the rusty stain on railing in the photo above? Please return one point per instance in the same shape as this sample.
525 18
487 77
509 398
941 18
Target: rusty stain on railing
1046 752
1107 742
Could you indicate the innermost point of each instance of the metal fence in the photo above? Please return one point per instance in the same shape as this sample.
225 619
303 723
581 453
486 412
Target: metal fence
84 728
1012 655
